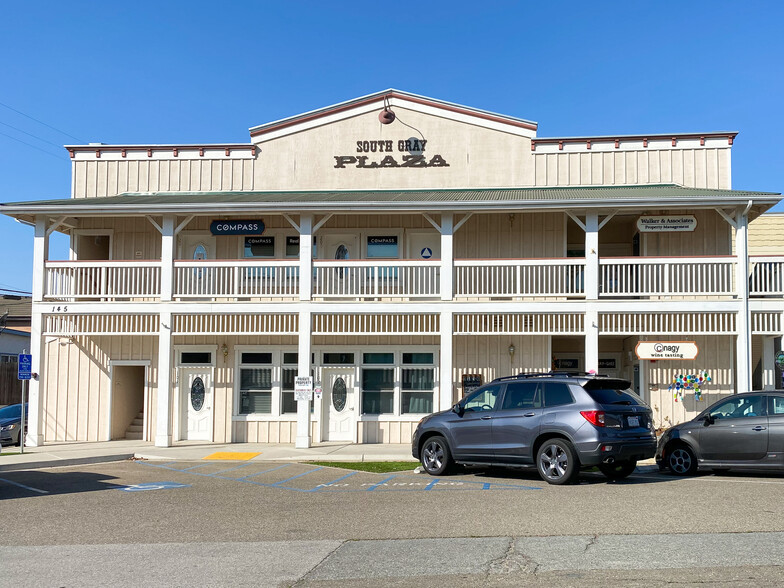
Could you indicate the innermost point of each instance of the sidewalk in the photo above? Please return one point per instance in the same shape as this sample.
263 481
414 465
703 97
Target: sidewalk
64 454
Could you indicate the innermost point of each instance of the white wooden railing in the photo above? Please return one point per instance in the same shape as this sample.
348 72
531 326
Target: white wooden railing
666 276
236 279
766 275
102 280
374 279
619 277
511 278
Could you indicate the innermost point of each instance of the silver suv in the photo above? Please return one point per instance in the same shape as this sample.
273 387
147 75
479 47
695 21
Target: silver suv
556 422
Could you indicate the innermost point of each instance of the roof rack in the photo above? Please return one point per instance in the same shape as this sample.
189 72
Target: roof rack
524 376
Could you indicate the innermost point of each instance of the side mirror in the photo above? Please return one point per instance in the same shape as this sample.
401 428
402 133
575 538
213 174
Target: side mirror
458 409
709 420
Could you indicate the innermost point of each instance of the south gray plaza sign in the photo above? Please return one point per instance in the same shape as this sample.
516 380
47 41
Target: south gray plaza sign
407 153
666 350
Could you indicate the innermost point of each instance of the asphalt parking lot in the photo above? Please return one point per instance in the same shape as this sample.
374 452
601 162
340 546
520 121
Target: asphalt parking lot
285 501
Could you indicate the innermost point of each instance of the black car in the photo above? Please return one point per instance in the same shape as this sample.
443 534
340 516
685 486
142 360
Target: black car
556 422
743 431
11 424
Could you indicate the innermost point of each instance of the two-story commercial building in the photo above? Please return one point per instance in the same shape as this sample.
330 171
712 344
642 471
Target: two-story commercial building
400 250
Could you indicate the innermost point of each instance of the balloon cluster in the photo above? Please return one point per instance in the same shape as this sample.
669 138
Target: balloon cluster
694 382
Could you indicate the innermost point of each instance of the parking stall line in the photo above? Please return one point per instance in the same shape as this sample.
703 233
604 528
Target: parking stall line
264 472
374 486
340 479
433 483
23 486
297 476
244 465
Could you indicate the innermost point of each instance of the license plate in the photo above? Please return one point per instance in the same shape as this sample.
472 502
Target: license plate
634 421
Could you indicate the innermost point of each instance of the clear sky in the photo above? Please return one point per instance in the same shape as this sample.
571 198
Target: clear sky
193 71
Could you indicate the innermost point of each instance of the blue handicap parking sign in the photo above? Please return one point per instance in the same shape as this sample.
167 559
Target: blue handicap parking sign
152 486
25 366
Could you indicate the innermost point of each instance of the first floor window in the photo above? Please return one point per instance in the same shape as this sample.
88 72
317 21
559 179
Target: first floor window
256 383
417 390
378 390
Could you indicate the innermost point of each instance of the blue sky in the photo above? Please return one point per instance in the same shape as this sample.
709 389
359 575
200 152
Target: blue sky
200 72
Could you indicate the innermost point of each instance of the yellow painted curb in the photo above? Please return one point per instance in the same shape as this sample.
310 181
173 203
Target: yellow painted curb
235 455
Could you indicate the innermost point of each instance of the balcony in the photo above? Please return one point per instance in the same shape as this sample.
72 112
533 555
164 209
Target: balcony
410 281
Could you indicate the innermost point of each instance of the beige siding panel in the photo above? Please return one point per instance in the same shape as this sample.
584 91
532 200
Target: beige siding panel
665 159
226 173
247 174
608 171
80 179
711 169
723 170
552 169
654 167
574 165
766 235
497 236
619 168
585 168
716 357
711 237
489 356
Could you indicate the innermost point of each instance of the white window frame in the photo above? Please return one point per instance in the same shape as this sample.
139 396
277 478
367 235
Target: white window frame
276 413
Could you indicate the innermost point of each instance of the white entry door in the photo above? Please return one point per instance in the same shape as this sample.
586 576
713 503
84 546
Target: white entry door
339 405
196 404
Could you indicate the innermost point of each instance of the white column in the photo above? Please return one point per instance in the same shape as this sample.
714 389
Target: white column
743 322
34 435
592 340
768 363
163 428
447 257
303 369
592 256
306 261
167 258
445 385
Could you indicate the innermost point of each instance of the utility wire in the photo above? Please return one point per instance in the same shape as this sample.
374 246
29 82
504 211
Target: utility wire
30 134
14 291
42 123
33 146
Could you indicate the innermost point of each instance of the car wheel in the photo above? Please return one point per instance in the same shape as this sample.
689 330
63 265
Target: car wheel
682 461
436 457
618 470
557 462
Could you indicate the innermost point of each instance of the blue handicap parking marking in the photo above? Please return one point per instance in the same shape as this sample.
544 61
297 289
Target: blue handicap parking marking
152 486
350 482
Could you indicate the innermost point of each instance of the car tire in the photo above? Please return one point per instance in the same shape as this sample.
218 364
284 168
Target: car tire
435 456
618 470
19 439
557 462
682 461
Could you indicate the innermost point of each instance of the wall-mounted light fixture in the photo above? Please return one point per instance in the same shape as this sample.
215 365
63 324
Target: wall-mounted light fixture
225 350
511 352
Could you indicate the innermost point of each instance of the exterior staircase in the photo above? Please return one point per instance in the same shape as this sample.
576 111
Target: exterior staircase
135 430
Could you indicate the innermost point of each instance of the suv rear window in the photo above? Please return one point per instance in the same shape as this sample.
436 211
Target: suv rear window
612 392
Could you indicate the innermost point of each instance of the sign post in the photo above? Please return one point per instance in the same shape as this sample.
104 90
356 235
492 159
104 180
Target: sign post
24 374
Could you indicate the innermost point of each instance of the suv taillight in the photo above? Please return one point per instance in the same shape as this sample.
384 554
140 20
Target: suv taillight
595 417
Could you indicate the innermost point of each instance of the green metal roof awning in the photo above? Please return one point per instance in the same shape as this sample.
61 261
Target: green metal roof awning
463 200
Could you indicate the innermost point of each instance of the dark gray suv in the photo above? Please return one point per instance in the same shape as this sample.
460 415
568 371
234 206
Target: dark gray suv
558 423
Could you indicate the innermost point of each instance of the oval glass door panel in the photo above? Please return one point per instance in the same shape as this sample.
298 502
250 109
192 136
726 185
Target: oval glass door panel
200 252
197 394
341 252
339 395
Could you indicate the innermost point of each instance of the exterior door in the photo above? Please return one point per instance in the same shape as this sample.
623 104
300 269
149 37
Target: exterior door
516 423
339 405
345 280
195 247
739 432
196 404
472 432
